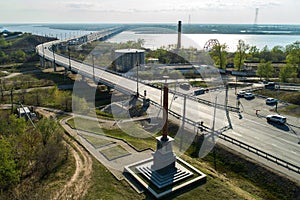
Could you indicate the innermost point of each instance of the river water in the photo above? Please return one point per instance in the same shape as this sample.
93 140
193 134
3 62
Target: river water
156 40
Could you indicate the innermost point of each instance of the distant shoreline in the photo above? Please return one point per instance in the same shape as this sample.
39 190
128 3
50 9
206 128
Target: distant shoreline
259 29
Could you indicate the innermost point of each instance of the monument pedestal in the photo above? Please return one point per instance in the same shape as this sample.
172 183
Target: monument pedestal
163 158
164 173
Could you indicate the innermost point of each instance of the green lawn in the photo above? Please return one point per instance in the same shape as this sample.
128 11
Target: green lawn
114 152
235 178
97 142
141 141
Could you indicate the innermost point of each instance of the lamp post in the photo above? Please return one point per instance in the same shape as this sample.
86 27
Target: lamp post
213 129
93 56
137 74
69 54
43 55
53 58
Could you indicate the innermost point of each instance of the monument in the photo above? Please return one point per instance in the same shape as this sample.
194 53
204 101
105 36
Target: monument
164 173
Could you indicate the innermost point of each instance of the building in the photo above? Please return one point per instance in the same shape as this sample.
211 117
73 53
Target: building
126 59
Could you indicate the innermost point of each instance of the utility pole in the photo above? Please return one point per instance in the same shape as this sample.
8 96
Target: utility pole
93 66
53 58
213 130
69 52
137 74
11 99
183 122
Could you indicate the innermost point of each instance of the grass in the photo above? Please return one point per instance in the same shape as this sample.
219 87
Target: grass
215 188
288 96
293 110
198 84
105 186
236 177
97 142
114 152
137 141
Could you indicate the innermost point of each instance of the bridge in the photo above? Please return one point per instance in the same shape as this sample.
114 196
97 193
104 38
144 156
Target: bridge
250 131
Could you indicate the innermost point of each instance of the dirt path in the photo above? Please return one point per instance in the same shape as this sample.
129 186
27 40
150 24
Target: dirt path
77 186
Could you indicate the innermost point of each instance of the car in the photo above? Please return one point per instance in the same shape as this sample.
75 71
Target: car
271 101
200 91
241 93
276 118
271 86
248 95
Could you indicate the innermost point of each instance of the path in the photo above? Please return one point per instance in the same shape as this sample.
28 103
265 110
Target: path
115 163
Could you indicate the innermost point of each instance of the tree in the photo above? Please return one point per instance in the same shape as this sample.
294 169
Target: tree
219 55
9 174
52 151
293 55
240 54
12 125
253 54
3 57
286 72
265 54
265 69
18 56
278 54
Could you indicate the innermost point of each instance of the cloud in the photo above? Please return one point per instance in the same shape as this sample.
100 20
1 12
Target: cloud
130 6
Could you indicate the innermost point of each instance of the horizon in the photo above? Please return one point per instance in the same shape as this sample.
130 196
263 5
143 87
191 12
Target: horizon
156 11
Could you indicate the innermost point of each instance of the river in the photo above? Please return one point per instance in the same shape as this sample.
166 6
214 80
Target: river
154 41
157 40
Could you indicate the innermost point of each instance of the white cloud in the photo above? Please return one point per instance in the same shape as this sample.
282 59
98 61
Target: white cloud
203 11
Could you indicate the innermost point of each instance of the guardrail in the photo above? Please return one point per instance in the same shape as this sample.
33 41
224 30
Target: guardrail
236 142
261 153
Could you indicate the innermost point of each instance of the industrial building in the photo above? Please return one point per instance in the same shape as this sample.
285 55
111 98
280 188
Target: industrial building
126 59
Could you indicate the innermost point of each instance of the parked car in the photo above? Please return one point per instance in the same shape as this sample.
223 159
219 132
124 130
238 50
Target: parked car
272 86
276 118
271 101
248 95
241 93
200 91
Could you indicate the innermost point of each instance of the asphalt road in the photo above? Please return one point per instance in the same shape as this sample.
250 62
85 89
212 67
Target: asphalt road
281 141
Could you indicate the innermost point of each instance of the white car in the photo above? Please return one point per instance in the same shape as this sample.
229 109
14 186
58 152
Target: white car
271 101
248 95
241 93
276 118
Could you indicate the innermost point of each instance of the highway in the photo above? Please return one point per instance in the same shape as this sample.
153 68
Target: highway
280 141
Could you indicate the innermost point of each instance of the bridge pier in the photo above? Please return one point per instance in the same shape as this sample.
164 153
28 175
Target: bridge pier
42 62
54 66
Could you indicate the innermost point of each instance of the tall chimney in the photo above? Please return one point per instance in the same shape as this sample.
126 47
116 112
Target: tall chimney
179 35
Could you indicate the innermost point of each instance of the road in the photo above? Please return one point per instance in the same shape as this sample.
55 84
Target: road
280 141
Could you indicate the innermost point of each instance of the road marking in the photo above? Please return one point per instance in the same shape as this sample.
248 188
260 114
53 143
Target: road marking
237 134
293 152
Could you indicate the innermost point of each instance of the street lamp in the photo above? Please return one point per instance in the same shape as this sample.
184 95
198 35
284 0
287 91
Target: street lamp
93 56
69 52
137 74
213 128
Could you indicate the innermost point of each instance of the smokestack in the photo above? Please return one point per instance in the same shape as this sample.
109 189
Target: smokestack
179 35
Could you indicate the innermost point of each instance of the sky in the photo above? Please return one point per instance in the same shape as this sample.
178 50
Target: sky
150 11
